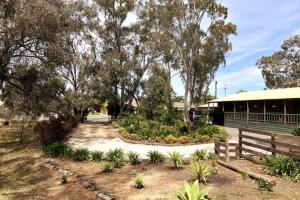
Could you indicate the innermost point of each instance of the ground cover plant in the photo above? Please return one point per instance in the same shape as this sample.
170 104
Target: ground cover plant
193 192
133 158
138 127
139 183
201 172
282 166
176 158
156 157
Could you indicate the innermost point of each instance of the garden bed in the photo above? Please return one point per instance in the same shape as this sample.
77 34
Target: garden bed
136 129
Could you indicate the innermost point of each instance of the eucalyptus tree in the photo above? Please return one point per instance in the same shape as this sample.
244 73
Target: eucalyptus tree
35 38
200 36
282 69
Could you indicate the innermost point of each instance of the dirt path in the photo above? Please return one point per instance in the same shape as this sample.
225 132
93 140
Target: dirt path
103 138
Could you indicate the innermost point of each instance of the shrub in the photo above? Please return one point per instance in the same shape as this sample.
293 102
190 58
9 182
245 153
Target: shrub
116 156
53 131
186 162
97 155
139 183
198 123
296 131
170 139
176 157
183 139
264 185
106 167
212 156
81 154
201 172
282 166
133 158
55 149
193 192
156 157
200 155
244 175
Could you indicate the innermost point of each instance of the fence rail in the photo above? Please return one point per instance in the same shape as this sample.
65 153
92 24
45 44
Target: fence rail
261 117
262 143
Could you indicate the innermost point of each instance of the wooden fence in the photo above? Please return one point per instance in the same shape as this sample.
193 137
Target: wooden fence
259 143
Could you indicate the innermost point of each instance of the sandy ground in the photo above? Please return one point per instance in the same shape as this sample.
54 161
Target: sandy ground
103 138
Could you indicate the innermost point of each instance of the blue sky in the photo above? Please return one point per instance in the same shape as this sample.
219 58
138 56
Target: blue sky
262 26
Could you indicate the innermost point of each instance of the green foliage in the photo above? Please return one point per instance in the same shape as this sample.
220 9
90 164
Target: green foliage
139 183
201 172
212 156
282 166
81 154
264 185
97 156
193 192
133 158
116 156
177 158
106 167
156 157
55 149
296 131
200 155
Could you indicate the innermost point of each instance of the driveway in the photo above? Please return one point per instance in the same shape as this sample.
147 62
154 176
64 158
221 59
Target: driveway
102 137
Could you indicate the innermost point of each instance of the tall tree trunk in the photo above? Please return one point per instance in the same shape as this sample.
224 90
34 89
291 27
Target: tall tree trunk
187 100
170 89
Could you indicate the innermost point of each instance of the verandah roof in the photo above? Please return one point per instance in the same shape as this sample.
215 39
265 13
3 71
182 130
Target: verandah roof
275 94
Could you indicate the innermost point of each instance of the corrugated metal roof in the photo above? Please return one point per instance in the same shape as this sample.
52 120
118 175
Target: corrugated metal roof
276 94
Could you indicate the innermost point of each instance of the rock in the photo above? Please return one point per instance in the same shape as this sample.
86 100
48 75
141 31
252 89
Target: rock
64 172
104 196
86 185
48 166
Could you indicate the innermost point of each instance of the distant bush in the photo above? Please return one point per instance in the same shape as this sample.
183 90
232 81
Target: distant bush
282 166
296 131
55 130
170 139
56 149
200 155
156 157
97 155
81 154
176 158
116 156
106 167
133 158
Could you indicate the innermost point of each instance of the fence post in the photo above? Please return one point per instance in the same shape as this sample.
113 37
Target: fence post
227 151
240 144
237 151
217 148
273 144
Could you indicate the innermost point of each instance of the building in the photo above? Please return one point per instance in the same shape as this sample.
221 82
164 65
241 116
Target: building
272 110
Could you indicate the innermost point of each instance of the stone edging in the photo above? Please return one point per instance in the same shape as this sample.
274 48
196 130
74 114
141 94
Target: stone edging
116 130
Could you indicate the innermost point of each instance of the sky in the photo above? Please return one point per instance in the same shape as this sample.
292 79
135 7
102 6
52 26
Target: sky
262 25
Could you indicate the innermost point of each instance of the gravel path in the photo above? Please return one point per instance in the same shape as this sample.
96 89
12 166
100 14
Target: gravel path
102 138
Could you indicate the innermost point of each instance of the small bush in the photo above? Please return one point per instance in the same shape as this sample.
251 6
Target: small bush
176 157
106 167
201 172
133 158
282 166
115 154
56 149
139 183
97 156
170 139
186 162
296 131
193 192
183 139
212 156
264 185
156 157
81 154
245 175
200 155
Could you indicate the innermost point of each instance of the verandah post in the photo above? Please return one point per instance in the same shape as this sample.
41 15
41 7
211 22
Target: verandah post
265 111
284 110
247 114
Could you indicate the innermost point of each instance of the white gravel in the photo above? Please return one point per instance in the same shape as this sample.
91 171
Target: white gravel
102 144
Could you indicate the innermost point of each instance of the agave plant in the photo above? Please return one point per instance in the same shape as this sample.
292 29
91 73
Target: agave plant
201 172
193 192
296 131
176 157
